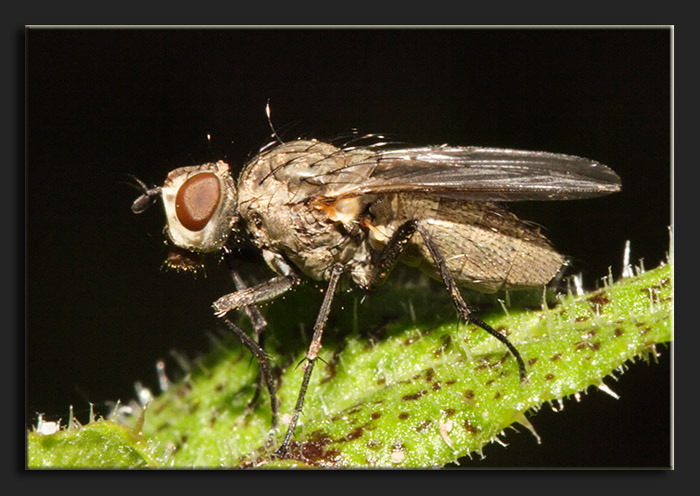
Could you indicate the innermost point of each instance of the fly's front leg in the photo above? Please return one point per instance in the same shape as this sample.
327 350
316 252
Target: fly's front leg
248 298
390 254
312 354
254 315
264 367
254 295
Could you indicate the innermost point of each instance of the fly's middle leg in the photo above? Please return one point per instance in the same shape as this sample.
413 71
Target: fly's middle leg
312 354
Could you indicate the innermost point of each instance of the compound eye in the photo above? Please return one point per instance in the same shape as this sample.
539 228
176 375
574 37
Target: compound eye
197 200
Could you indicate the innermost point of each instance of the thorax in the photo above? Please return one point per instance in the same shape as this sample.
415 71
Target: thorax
284 211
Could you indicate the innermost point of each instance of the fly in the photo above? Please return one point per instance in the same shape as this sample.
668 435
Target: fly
325 212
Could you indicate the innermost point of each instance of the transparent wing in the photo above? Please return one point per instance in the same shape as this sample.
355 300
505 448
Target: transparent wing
469 173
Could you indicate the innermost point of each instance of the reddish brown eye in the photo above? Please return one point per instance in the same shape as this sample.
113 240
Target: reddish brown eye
197 200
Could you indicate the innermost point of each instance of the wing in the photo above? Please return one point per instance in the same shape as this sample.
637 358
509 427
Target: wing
469 173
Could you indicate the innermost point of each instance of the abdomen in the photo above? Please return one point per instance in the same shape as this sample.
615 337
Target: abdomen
486 247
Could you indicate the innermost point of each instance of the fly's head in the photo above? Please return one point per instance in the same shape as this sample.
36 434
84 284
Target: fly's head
200 211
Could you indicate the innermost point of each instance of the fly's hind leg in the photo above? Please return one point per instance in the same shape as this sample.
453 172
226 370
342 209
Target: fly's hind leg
385 262
462 307
390 254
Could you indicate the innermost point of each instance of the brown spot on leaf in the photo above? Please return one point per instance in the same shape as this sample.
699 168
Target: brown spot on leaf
599 299
193 406
446 341
354 409
556 357
354 434
422 426
427 330
182 441
184 390
404 415
471 429
415 396
374 444
549 377
313 452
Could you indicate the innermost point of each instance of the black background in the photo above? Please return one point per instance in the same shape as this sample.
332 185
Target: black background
103 104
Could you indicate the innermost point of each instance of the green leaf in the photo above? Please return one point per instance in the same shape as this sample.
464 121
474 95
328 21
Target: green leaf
403 383
99 444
